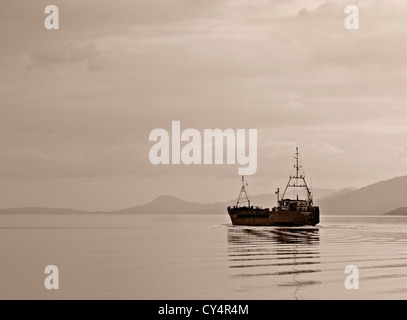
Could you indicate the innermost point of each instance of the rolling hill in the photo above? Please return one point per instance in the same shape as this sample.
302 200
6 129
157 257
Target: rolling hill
402 211
378 198
171 204
41 210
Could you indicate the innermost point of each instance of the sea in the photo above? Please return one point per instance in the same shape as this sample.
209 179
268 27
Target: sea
201 256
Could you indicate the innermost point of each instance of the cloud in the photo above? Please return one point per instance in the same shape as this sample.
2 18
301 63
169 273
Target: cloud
51 56
295 105
324 149
81 101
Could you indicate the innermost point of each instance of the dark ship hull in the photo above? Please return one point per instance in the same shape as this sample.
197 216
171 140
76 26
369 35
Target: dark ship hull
264 217
288 212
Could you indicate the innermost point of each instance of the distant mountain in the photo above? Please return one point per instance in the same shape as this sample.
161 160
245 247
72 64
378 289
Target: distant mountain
378 198
171 204
398 212
162 204
168 204
334 193
319 193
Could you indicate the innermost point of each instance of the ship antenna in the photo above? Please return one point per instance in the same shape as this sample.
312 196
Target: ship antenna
243 191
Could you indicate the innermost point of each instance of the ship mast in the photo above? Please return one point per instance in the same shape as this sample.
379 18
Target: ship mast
243 194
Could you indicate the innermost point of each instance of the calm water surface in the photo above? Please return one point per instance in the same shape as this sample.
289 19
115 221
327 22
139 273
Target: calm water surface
103 256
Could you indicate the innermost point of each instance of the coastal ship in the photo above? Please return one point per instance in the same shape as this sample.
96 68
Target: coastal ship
288 212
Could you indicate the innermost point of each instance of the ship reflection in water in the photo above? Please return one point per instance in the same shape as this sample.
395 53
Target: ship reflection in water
274 256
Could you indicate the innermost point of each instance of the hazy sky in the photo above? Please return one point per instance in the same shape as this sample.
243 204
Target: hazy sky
77 104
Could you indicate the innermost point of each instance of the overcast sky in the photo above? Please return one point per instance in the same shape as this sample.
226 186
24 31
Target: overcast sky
77 104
